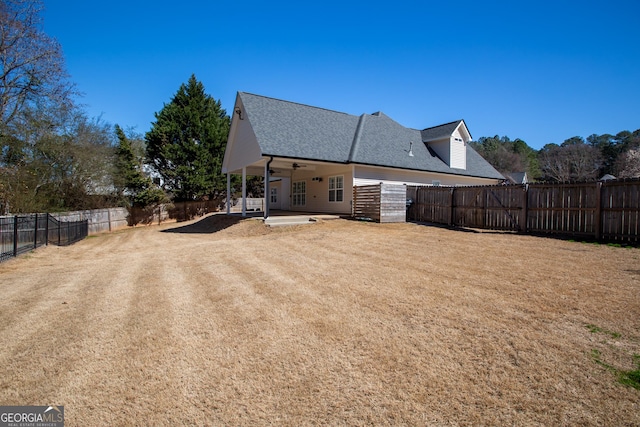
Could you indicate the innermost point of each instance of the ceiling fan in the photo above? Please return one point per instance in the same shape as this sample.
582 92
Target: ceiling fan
297 165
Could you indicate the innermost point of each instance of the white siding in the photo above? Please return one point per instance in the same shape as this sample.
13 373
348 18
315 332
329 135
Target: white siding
368 175
458 151
442 149
243 148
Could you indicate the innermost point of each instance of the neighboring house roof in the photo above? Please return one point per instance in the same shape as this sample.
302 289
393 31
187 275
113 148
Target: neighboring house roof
288 129
607 177
517 177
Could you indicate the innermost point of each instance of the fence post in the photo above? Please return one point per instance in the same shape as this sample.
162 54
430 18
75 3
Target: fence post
598 218
524 214
485 206
35 233
15 236
453 208
46 229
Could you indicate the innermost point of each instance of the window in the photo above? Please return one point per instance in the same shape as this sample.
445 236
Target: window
274 195
336 188
299 193
435 183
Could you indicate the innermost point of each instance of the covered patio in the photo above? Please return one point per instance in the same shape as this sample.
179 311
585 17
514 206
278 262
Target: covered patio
277 181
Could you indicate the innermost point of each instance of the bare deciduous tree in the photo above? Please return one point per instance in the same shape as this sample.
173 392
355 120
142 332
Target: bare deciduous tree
51 155
628 164
570 162
49 165
33 71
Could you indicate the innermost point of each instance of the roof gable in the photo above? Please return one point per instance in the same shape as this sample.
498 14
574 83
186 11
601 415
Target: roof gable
242 145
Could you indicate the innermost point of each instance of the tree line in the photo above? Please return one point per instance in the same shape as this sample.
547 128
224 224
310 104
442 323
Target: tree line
54 157
575 159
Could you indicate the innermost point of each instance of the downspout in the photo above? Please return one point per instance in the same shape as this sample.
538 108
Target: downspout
267 196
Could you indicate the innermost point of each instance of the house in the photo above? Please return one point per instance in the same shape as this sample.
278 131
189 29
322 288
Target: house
607 177
517 177
313 157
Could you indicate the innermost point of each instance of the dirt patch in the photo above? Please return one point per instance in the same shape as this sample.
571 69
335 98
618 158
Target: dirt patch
225 321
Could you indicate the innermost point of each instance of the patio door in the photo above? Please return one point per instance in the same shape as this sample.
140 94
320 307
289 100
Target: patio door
274 197
299 194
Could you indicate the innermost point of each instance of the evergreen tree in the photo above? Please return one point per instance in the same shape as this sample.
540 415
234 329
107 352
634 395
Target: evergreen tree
130 179
508 156
186 144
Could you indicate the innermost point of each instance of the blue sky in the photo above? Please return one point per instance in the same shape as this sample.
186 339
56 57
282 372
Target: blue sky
541 71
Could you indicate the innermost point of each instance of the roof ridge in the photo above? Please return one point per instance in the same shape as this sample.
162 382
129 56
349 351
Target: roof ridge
295 103
356 137
444 124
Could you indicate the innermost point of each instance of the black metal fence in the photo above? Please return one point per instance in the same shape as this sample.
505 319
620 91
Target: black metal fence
22 233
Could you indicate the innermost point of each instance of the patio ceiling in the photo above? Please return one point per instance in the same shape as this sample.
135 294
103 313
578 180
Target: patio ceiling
279 167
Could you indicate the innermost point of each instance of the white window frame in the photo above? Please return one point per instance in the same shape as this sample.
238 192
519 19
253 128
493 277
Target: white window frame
274 195
299 193
336 189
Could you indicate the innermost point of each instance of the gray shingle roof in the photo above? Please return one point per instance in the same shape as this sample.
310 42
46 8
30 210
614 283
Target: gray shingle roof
294 130
288 129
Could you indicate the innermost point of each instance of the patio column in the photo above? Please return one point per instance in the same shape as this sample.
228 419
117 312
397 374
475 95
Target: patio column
228 193
267 196
244 191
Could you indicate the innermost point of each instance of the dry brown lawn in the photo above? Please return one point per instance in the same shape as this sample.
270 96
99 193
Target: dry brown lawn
227 322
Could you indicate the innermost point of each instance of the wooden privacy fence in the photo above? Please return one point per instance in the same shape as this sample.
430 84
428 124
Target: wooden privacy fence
179 211
608 211
619 215
380 202
185 211
100 220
